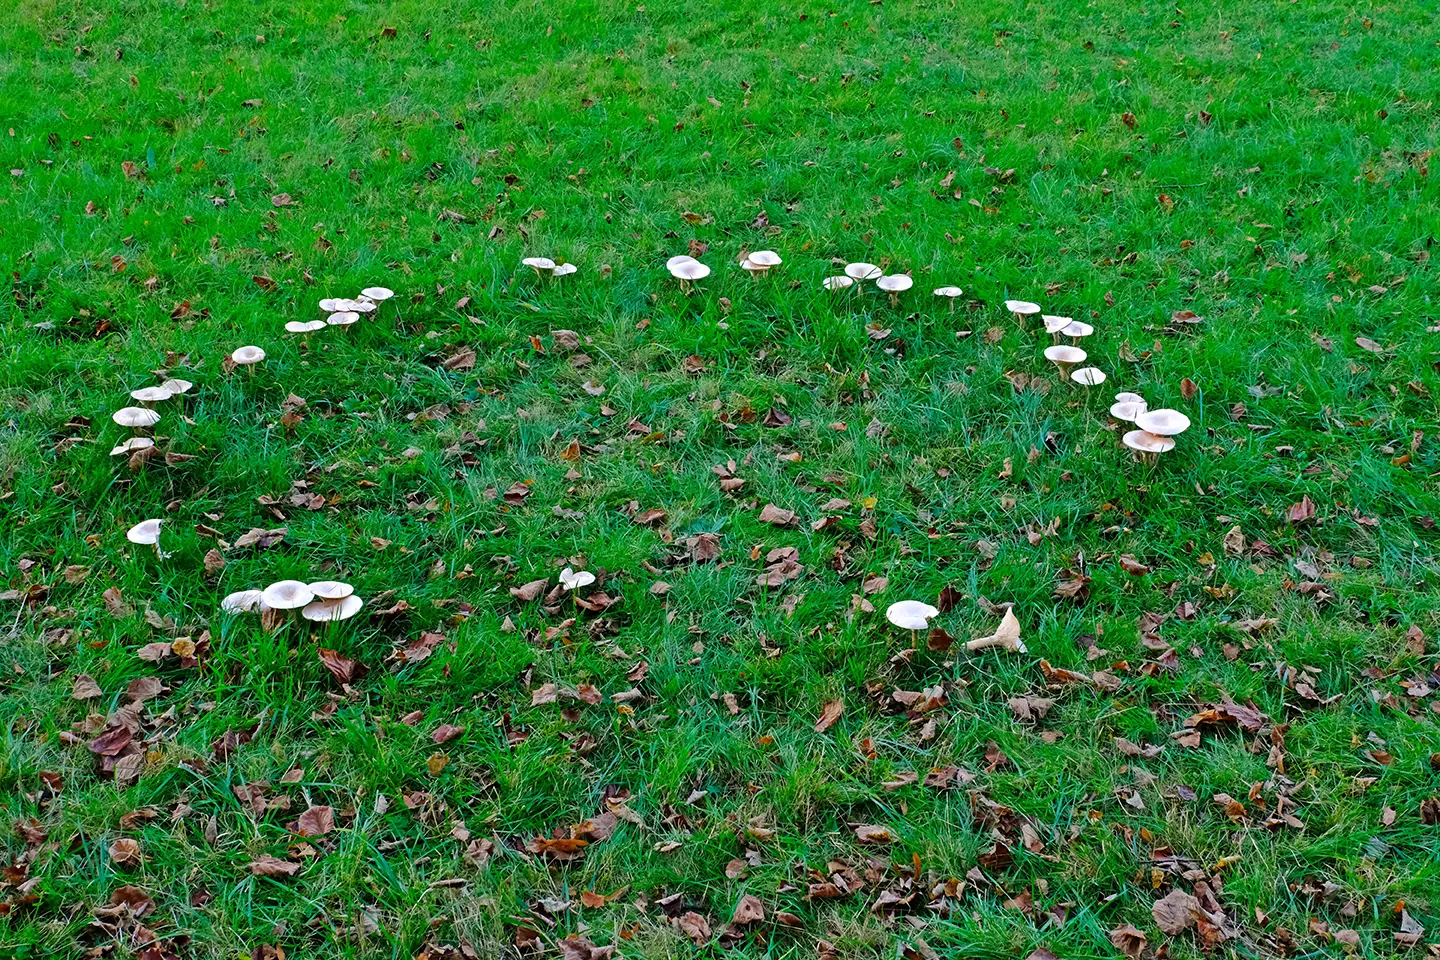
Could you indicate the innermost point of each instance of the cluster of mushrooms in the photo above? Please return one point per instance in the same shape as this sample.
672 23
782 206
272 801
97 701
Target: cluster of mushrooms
894 283
544 266
1157 428
1065 356
321 601
145 416
341 312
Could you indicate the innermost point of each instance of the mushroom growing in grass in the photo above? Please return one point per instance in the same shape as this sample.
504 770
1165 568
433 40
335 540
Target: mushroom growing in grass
150 395
836 284
1006 638
1076 330
323 611
564 270
949 293
242 601
286 595
571 580
1088 377
343 319
146 533
131 446
863 271
377 295
248 357
329 304
1127 410
911 615
895 284
761 261
305 327
176 386
1064 358
1164 423
541 265
1054 324
754 269
1022 309
136 418
687 270
1148 445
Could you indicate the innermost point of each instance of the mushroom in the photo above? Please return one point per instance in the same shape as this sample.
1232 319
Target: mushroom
1148 445
1022 309
863 271
353 306
331 589
1164 423
1076 329
1006 638
377 294
1088 376
1065 358
304 326
541 265
151 394
895 284
1054 324
329 304
1125 396
330 610
135 417
242 601
131 445
687 271
343 318
564 270
571 579
286 595
1127 410
247 357
949 293
911 615
761 261
838 283
753 268
177 387
675 261
146 533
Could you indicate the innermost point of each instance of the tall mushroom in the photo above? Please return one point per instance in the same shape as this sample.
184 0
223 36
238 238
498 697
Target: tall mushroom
151 395
1064 358
541 265
377 295
760 262
895 284
863 271
911 615
1164 423
1076 330
1022 309
949 293
248 357
1148 445
687 270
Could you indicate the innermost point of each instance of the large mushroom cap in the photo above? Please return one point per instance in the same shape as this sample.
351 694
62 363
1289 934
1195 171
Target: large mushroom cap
1023 307
177 386
1166 423
242 601
675 261
131 445
377 294
286 595
895 282
343 319
1077 328
146 532
539 263
1063 354
564 269
765 258
1088 376
151 394
1127 410
135 417
1054 324
342 609
247 355
331 589
689 270
951 292
1146 442
863 271
304 326
910 614
838 283
1125 396
328 304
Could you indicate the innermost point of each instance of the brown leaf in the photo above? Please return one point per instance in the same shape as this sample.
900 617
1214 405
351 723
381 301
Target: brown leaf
748 910
341 667
694 926
1129 941
779 516
527 592
828 715
1175 912
446 732
274 867
125 853
1302 512
115 604
315 822
85 688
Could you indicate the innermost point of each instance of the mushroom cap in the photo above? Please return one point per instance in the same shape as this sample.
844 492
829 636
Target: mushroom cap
675 261
242 601
838 283
247 355
1054 324
1022 307
151 394
948 291
765 258
333 609
1077 328
377 294
1088 376
131 445
690 270
575 579
863 271
135 417
753 266
286 595
1063 354
327 304
565 269
177 386
910 614
354 306
331 589
342 318
1166 423
1147 442
895 282
145 532
1125 396
539 263
304 326
1128 410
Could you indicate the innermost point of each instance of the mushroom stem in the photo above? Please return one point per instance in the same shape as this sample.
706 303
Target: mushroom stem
894 299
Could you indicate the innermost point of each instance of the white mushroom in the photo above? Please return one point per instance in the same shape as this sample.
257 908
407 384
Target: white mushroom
564 269
1054 324
353 306
377 294
753 268
687 271
1088 376
325 610
329 305
331 589
541 265
343 318
1006 638
863 271
675 261
949 293
911 614
131 445
1064 358
286 595
242 601
135 417
145 533
837 283
304 326
1077 329
1022 309
1148 445
1126 397
895 284
247 357
151 394
575 579
177 387
765 258
1165 423
1127 410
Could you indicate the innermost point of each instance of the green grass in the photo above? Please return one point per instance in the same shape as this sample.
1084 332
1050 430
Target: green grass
1265 166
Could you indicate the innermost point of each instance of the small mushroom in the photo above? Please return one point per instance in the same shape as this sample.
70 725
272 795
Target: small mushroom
895 284
911 615
343 318
687 271
242 601
1006 638
135 417
377 294
564 270
329 304
1148 445
1088 376
1077 329
763 260
1165 423
247 357
151 394
177 387
331 589
1127 410
1064 358
1022 309
304 326
571 579
949 293
1126 397
286 595
838 283
146 533
863 271
330 610
541 265
754 269
1054 324
131 445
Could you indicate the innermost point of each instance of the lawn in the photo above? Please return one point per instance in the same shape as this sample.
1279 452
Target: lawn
1223 735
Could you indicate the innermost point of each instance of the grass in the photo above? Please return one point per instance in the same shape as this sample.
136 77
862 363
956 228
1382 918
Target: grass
1265 166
